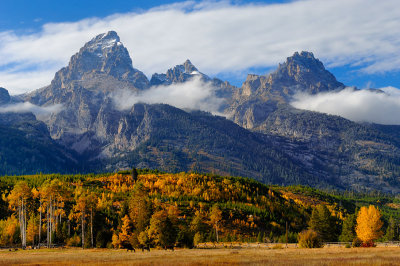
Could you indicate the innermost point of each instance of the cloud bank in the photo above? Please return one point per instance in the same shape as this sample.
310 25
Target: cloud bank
27 107
194 94
221 37
373 106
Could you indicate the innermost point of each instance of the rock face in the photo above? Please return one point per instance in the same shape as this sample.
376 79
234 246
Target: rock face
85 89
343 152
178 74
187 72
104 54
265 138
26 146
261 95
4 96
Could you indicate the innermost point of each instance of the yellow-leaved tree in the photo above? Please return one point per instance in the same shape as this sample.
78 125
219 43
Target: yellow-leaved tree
369 224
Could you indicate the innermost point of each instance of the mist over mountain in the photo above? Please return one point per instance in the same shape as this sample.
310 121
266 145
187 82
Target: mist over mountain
107 115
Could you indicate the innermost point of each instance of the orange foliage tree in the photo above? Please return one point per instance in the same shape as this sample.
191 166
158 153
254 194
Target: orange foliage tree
369 224
18 200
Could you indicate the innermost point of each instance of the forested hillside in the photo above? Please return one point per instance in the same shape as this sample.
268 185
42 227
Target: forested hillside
147 208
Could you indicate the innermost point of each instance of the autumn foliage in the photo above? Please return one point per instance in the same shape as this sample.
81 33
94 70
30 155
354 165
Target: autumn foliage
161 210
369 224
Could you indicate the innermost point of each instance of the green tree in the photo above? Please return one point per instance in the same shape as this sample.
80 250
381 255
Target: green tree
323 223
260 237
139 207
391 230
198 223
198 238
349 229
162 230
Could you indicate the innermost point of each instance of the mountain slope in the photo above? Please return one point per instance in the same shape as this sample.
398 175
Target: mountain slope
197 141
154 136
351 155
265 138
26 146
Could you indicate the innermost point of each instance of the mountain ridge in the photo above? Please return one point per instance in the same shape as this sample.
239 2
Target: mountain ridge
313 148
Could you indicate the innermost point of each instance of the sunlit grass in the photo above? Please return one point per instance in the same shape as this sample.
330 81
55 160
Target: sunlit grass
262 256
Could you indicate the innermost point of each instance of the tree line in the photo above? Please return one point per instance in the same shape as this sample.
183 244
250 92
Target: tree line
144 209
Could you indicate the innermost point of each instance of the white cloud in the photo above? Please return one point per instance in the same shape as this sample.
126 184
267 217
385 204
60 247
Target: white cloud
219 37
373 106
194 94
27 107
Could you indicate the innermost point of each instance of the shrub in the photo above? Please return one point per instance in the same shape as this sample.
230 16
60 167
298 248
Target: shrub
309 239
102 238
368 244
347 245
198 238
356 242
74 241
109 245
277 246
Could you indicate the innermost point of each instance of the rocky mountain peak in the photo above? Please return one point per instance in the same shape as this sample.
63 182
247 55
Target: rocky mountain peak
305 72
189 67
103 43
4 96
104 54
179 73
303 62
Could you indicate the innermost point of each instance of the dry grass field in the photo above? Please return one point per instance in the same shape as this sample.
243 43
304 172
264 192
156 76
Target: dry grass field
324 256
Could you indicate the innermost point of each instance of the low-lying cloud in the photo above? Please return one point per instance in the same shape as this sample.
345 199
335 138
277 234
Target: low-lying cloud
194 94
220 36
374 106
27 107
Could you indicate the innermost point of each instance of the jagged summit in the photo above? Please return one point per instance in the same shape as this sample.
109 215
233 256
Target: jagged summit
306 72
305 62
179 73
103 43
104 54
4 96
189 68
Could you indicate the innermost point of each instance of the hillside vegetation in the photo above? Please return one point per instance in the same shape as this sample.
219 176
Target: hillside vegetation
148 208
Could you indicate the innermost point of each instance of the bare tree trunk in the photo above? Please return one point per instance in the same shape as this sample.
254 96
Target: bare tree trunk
24 214
216 230
40 221
91 224
83 228
48 226
51 221
20 220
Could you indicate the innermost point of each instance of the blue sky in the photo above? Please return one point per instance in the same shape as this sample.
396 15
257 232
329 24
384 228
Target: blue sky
228 39
28 16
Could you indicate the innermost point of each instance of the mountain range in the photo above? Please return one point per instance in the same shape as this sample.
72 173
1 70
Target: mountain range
255 131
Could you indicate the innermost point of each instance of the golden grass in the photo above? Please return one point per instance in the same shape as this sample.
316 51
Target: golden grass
324 256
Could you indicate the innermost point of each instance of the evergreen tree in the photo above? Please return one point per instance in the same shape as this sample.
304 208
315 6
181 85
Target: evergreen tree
323 223
349 229
260 237
162 231
139 207
391 230
134 174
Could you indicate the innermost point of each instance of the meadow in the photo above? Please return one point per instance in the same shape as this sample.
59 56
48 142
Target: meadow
253 256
